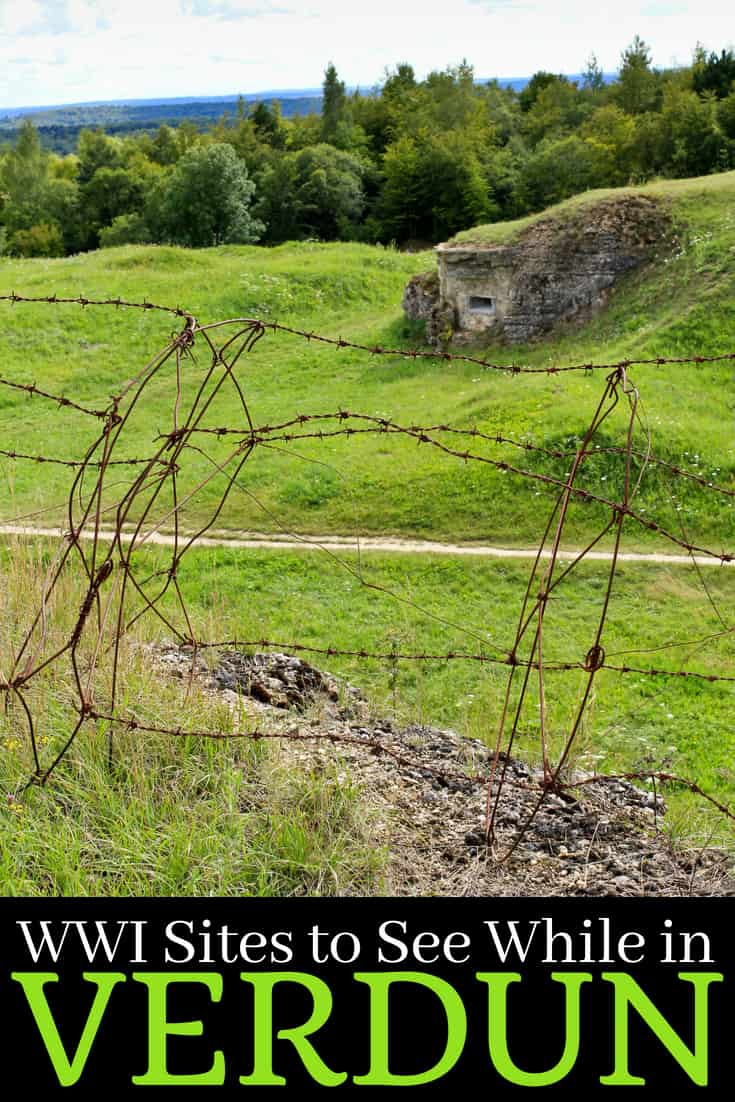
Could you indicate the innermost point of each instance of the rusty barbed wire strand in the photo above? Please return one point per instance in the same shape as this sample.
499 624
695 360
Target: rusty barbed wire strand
82 300
71 462
374 350
422 437
488 365
59 399
381 424
107 558
442 656
648 775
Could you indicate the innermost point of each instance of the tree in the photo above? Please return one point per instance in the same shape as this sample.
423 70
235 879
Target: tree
593 79
726 116
528 96
333 103
64 209
399 83
637 85
611 128
456 190
205 201
165 147
304 130
43 239
691 141
126 229
714 73
556 109
276 184
558 168
451 99
503 112
328 194
32 200
24 168
401 206
648 153
268 124
109 193
434 186
96 150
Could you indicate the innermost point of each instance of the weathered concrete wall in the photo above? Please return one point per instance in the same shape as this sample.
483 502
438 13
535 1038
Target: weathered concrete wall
561 268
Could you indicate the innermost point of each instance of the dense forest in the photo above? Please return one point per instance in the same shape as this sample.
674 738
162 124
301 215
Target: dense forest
414 161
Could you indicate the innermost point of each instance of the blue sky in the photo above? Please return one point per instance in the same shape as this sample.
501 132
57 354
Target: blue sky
62 51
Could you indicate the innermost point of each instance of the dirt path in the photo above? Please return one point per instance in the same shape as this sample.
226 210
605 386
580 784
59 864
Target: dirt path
384 544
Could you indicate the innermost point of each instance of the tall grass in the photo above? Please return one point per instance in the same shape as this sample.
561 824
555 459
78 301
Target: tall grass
170 815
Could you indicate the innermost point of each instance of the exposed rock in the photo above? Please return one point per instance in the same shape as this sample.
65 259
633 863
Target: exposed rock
422 302
561 268
280 680
421 296
604 838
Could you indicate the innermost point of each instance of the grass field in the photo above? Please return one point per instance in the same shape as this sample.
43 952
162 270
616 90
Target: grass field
165 815
247 827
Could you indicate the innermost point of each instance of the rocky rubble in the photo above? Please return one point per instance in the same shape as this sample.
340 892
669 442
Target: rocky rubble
424 793
278 680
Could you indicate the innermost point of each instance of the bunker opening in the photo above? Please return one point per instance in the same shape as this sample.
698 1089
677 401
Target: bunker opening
480 304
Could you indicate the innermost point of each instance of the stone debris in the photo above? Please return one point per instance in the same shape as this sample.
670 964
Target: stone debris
278 680
425 797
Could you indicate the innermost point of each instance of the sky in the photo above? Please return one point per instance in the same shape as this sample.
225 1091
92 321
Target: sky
67 51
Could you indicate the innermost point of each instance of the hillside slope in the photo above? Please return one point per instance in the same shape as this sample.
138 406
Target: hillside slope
682 307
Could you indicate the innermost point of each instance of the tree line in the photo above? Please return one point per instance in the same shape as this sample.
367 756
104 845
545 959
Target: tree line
414 160
59 127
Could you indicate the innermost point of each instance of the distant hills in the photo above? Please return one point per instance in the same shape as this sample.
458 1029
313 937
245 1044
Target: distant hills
164 101
59 124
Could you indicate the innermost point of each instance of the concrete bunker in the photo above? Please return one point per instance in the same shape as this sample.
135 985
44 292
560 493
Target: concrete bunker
560 268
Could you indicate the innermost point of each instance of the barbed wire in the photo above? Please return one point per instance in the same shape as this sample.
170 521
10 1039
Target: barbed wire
444 656
75 463
59 399
375 349
488 365
109 522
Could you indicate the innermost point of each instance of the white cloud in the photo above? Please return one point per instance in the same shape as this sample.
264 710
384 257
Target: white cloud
131 48
16 19
231 10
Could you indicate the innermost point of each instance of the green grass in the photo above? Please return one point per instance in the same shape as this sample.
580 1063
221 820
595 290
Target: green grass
436 604
685 306
177 817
